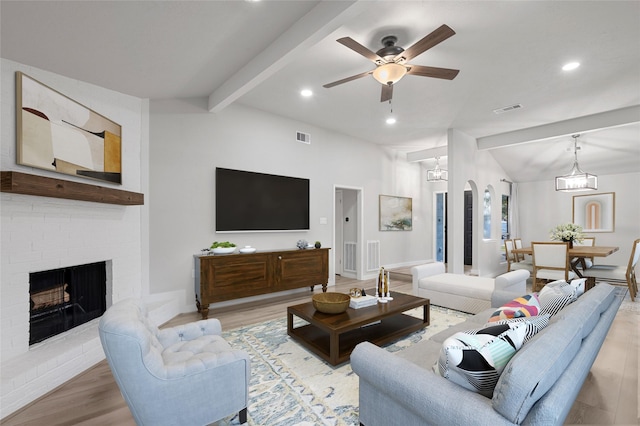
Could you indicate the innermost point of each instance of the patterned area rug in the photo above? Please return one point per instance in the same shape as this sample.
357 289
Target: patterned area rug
291 386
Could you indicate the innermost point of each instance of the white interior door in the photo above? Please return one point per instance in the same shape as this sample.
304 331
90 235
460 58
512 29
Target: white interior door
339 233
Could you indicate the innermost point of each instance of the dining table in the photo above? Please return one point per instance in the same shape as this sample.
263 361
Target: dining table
578 254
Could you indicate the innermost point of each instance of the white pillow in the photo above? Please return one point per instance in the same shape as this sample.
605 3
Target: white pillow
578 285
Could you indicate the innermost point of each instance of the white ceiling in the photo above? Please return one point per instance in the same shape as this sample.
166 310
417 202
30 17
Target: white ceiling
261 54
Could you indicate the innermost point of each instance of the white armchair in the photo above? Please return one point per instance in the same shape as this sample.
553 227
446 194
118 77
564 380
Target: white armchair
185 375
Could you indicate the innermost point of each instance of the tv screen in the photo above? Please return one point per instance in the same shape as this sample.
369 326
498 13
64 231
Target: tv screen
249 201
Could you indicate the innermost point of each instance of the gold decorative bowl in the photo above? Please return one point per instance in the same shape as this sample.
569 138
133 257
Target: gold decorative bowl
331 303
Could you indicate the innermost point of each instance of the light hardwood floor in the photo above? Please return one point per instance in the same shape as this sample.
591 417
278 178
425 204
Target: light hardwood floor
609 395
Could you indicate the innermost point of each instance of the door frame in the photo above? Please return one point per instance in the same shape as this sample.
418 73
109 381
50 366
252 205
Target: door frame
359 228
444 225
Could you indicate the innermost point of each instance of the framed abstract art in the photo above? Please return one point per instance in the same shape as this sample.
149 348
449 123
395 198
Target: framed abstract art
396 213
595 212
57 133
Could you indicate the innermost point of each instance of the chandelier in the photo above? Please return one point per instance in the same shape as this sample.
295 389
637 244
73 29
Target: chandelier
576 180
437 174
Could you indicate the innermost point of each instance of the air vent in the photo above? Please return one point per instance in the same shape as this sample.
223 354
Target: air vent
303 137
507 108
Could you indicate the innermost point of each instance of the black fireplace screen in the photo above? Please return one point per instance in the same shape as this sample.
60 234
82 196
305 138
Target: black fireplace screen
62 299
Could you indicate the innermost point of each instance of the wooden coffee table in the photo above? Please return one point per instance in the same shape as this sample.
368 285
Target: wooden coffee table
333 337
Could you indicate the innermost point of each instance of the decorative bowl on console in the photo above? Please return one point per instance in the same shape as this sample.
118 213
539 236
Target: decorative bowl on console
248 249
224 247
223 250
331 303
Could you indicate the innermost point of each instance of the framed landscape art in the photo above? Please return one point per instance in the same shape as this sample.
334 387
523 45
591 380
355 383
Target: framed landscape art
396 213
57 133
595 212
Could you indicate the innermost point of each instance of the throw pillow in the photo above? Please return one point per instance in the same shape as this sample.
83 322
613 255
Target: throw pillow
533 324
523 306
555 296
578 285
475 361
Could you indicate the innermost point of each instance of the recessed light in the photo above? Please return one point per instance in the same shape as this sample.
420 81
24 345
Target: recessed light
570 66
306 93
391 120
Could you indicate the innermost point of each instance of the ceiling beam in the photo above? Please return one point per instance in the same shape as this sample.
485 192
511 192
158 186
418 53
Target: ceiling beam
321 21
427 154
588 123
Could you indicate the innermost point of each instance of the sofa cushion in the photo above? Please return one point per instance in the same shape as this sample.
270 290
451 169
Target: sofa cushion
476 321
556 295
475 359
520 307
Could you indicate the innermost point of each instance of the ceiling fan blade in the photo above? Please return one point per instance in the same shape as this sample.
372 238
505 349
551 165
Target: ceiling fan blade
387 92
345 80
358 48
427 42
444 73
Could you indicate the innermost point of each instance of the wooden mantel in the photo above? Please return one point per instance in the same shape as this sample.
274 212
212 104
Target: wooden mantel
27 184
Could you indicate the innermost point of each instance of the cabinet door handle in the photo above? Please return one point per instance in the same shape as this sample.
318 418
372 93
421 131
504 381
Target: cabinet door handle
279 257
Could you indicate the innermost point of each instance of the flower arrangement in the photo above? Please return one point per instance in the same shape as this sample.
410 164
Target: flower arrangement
567 232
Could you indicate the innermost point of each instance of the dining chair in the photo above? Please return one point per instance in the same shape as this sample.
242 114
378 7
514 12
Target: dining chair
584 262
513 262
619 274
550 263
517 242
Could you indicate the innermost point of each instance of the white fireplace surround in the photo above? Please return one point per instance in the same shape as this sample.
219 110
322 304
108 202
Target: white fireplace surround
41 233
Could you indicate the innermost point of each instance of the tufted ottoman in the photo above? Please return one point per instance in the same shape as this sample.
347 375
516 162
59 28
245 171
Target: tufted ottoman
466 293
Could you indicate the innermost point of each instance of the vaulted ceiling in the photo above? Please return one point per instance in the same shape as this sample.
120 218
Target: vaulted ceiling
261 54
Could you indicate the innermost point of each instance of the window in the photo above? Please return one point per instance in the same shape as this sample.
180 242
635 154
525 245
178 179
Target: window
487 214
504 221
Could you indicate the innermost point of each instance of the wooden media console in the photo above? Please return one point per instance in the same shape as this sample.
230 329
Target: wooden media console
222 277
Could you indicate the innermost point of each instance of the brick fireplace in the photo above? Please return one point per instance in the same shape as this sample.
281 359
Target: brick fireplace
40 234
45 234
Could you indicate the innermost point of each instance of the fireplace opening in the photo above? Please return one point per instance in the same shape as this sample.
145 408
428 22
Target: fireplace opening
61 299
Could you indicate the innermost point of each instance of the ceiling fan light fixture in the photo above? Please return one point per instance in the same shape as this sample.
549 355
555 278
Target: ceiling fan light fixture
389 73
576 180
437 174
570 66
391 120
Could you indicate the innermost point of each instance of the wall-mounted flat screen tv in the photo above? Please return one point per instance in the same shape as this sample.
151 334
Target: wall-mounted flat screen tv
250 201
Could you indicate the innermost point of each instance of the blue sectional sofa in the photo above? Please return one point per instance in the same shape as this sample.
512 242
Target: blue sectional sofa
538 386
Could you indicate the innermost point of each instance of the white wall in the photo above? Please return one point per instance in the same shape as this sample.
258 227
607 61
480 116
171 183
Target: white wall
41 233
541 208
188 143
469 165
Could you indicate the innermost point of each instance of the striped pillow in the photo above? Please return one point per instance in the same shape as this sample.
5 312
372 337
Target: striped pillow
533 324
556 295
475 360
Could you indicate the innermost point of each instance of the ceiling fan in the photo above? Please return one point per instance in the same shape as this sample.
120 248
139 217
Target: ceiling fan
391 60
